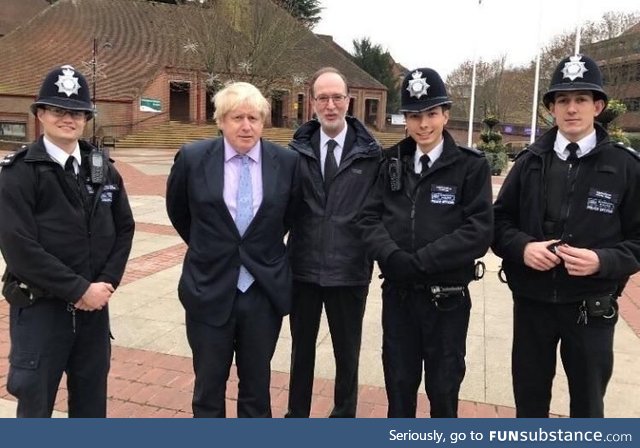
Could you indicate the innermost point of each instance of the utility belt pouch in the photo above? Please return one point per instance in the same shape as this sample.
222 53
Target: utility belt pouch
17 293
448 298
601 306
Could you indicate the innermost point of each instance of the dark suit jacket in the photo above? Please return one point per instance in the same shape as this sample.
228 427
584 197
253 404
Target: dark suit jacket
197 210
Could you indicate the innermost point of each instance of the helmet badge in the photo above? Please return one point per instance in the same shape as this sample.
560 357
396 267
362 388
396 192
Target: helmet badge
575 68
67 83
418 85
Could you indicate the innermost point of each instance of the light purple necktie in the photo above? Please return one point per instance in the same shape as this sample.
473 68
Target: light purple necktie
244 215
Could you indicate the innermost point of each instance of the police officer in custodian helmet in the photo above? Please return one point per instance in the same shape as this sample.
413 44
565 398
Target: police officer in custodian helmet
427 220
65 235
568 231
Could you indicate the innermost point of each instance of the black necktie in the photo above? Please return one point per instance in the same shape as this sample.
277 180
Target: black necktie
68 167
424 160
330 165
573 152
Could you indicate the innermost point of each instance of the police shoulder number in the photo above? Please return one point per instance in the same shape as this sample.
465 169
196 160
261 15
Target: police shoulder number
10 158
475 152
629 149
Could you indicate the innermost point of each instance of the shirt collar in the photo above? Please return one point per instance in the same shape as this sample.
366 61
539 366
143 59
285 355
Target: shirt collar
586 144
254 153
340 138
434 154
60 155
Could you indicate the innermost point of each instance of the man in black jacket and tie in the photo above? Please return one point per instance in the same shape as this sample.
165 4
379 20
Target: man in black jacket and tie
338 163
231 199
567 226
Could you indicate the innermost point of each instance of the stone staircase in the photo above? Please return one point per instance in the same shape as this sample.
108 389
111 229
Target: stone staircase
172 135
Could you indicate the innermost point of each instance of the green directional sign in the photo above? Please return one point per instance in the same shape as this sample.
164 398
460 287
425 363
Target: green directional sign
150 105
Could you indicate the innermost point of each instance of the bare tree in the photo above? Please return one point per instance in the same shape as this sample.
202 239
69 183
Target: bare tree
507 92
274 46
490 81
242 40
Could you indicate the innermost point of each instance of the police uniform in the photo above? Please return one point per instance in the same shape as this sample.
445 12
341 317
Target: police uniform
59 233
426 230
592 203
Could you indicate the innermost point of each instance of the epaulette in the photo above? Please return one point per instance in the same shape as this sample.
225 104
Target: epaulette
629 149
390 153
475 152
10 158
522 152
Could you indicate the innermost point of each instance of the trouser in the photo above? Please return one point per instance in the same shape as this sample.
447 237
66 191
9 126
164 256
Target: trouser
44 345
418 335
251 333
586 352
345 310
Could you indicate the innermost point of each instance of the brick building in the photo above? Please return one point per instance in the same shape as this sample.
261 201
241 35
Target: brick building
150 69
619 59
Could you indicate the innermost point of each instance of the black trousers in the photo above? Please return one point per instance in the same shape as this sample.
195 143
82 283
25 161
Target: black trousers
345 310
417 335
586 352
44 345
251 333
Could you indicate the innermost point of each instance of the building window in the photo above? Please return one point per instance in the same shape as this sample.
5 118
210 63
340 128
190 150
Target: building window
633 104
13 131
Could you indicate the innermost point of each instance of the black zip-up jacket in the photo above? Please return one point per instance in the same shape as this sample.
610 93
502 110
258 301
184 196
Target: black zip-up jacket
324 243
446 219
55 240
603 214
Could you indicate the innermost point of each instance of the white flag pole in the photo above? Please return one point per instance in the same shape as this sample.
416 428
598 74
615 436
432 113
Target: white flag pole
578 26
472 103
536 81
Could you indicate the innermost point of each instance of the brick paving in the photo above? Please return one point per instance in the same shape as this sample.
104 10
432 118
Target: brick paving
150 384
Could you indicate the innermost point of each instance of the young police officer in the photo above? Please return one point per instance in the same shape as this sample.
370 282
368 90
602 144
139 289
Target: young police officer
427 220
568 230
65 234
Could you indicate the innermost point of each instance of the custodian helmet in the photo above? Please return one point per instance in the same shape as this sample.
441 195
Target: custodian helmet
422 89
577 72
66 88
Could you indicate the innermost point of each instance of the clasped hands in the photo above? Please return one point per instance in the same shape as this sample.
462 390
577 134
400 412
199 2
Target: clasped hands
545 255
95 297
401 266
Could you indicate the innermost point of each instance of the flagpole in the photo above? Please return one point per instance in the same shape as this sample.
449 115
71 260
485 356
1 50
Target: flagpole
536 81
472 103
578 27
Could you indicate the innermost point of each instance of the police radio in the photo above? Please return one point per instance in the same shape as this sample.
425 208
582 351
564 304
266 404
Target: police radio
395 173
96 165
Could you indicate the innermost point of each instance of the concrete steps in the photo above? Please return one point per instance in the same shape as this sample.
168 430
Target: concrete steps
173 135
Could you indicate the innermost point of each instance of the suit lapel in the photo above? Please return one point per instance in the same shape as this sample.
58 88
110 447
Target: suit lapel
214 175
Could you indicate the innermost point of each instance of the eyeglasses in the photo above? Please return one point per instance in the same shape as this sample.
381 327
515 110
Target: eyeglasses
324 99
59 112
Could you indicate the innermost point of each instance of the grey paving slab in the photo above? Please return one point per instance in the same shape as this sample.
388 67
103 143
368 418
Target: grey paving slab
149 209
153 169
8 410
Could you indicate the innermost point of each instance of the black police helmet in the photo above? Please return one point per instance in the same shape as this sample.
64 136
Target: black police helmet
422 89
66 88
573 73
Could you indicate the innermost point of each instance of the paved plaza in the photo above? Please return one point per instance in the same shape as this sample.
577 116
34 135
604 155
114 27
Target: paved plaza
151 372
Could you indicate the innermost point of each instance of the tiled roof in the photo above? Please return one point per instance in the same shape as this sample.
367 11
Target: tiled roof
140 34
634 29
16 12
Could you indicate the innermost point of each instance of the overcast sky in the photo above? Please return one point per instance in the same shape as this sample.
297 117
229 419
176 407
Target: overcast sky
444 33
